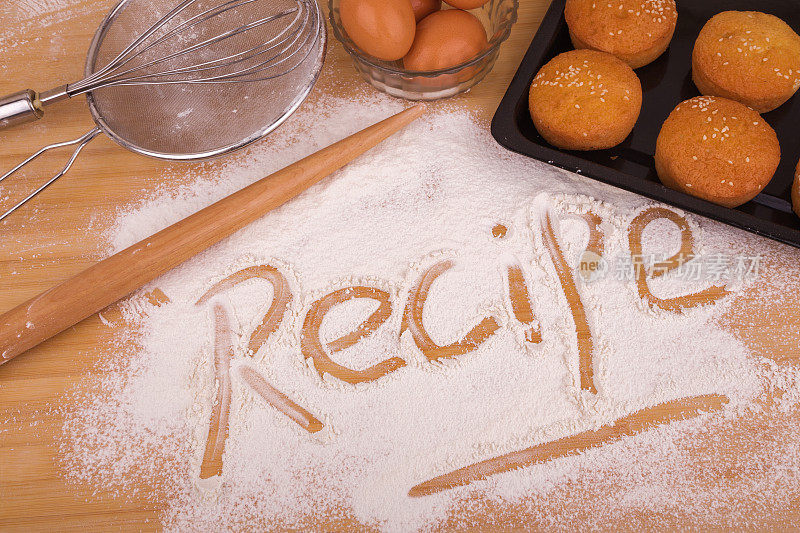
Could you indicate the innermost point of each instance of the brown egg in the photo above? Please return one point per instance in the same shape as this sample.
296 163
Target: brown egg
423 8
446 39
381 28
466 4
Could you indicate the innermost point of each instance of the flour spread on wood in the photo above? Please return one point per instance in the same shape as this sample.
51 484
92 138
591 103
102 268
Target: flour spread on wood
443 334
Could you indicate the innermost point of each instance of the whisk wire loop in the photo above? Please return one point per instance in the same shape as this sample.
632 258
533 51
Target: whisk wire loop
114 63
195 42
124 76
288 48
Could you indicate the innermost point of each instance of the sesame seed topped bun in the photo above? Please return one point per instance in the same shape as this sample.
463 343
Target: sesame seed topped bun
750 57
718 150
636 31
585 100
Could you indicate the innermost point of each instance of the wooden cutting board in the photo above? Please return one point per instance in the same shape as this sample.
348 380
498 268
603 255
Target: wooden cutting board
56 236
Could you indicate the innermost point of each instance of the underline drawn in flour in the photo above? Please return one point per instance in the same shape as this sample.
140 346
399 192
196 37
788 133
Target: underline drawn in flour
638 422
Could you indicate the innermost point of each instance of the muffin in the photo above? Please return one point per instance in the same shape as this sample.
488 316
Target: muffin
796 191
718 150
636 31
585 100
750 57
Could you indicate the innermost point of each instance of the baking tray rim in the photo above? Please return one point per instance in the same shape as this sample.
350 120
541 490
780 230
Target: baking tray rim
503 129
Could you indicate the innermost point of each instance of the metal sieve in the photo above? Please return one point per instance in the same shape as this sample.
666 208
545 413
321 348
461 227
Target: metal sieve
188 81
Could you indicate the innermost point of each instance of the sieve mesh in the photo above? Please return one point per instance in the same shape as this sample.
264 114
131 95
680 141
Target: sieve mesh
217 97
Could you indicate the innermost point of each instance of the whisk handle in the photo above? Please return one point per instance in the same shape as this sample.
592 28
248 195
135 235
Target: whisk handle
27 106
19 108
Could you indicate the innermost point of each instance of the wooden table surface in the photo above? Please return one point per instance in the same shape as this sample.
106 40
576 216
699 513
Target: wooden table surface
58 234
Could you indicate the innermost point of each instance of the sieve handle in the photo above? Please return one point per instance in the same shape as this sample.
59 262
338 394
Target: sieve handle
80 141
28 105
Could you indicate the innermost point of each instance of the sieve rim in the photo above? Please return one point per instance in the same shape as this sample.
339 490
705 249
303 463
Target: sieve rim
91 57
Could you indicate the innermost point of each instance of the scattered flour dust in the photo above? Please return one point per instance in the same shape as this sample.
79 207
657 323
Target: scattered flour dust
21 15
433 192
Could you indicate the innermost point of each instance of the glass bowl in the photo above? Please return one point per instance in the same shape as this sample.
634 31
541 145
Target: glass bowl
497 17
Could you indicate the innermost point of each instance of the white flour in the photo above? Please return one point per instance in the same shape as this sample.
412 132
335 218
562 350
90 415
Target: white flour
432 192
20 16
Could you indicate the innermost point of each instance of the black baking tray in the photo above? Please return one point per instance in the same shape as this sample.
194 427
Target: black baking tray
665 83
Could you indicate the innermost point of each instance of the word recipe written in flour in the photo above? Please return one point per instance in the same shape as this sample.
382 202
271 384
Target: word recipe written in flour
319 355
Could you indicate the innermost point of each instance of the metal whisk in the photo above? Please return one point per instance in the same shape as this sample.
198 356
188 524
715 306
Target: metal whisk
208 76
151 58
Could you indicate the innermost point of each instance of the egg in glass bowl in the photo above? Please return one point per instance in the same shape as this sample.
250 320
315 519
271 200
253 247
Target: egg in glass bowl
414 71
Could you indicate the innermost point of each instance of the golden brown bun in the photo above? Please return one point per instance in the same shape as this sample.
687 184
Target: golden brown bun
636 31
718 150
750 57
585 100
796 191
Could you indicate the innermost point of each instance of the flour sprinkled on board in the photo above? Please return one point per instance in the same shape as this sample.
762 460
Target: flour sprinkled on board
383 335
20 16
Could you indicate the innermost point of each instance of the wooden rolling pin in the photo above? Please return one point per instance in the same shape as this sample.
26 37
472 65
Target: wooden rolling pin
101 285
